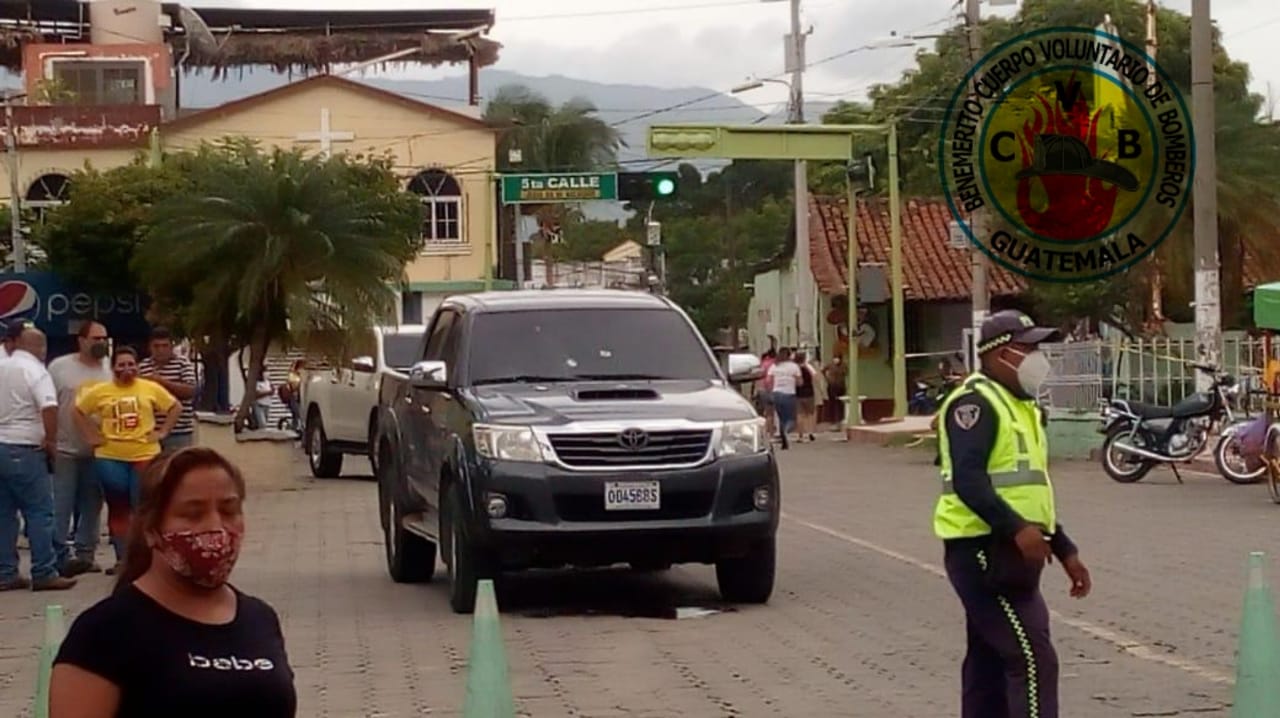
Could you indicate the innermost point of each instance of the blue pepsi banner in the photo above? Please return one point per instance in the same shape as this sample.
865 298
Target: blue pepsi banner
59 309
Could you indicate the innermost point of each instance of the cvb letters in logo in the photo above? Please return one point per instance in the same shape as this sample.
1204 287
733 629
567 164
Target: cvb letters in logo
1077 148
230 663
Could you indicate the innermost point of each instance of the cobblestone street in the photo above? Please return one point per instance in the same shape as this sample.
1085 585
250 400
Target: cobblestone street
861 624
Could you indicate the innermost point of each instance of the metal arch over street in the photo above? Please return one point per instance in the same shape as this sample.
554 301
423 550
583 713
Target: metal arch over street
809 142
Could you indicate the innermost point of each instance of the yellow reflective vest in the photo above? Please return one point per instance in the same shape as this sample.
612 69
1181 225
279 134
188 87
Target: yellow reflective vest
1018 464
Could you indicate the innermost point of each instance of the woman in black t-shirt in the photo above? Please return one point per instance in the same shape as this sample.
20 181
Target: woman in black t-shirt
175 639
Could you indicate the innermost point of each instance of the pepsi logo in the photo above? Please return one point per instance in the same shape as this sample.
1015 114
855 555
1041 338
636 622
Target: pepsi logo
17 298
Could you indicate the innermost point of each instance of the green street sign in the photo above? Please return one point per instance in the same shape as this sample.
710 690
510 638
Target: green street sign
552 188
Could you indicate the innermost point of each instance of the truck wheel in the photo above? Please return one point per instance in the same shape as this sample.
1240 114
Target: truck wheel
749 579
325 463
410 557
466 565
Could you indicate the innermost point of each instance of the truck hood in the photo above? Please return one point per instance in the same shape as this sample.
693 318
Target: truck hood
559 403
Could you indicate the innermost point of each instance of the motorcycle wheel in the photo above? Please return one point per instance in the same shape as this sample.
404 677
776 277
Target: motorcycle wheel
1271 459
1115 470
1235 476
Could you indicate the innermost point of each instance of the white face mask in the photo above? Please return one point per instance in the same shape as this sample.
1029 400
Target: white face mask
1033 371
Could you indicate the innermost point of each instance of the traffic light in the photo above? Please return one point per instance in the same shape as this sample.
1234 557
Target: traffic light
634 186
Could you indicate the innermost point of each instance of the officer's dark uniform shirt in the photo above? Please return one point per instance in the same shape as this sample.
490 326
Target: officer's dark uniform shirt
970 448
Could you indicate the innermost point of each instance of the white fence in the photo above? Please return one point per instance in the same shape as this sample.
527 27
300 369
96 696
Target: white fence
1154 371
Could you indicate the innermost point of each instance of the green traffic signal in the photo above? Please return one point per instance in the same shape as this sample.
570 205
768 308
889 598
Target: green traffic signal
639 186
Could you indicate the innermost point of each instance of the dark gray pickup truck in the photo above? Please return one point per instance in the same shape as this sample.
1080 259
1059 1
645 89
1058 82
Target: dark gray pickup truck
573 428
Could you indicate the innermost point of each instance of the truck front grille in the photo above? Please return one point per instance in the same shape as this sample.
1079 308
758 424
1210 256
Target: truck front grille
631 448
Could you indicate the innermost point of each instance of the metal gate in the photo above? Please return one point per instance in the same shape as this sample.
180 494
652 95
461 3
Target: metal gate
1078 376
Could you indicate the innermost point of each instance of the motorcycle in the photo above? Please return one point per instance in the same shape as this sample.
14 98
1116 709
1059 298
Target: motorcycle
1141 436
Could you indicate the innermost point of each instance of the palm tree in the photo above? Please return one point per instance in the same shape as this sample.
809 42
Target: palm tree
280 248
568 138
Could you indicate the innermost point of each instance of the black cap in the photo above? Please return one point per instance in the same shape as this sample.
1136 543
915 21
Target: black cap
14 328
1011 326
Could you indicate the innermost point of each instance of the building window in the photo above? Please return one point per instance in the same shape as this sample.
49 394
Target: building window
411 307
102 83
441 206
47 192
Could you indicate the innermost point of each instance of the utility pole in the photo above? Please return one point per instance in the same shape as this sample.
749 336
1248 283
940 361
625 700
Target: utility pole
15 190
1205 193
804 275
1157 275
978 261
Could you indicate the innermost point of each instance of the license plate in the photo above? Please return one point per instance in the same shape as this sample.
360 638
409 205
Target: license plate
632 495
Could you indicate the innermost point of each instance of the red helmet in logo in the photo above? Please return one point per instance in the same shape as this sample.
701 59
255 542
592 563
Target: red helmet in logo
16 298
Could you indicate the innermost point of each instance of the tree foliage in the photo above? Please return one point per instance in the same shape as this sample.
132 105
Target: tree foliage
568 138
280 247
1248 149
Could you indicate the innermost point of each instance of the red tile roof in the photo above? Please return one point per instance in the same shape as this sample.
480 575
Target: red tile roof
932 270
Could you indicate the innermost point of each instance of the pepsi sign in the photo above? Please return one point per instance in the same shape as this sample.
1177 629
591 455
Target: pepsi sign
57 309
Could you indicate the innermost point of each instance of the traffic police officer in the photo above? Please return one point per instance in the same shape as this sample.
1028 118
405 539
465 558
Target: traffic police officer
998 524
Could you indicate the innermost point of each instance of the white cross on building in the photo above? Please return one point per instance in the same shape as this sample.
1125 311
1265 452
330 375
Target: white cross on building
326 136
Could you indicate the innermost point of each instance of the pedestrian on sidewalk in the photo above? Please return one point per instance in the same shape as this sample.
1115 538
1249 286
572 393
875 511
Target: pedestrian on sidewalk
764 390
175 638
178 375
122 420
998 523
77 495
28 439
785 376
812 385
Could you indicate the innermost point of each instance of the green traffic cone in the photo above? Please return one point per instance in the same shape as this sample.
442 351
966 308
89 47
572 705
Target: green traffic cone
1258 656
488 689
54 630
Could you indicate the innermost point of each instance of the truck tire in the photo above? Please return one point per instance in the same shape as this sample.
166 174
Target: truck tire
325 462
465 563
749 579
410 557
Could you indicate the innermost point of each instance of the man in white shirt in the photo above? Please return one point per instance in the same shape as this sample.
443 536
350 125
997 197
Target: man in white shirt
28 440
785 375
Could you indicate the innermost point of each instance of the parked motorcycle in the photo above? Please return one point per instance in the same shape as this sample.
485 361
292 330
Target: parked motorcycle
1141 436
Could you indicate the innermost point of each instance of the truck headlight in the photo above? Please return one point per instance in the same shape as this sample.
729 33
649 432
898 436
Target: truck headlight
738 438
507 443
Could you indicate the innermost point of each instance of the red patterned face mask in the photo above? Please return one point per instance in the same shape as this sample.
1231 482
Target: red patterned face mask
204 558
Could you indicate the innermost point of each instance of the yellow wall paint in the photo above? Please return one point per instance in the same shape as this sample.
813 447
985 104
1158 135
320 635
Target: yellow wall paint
416 139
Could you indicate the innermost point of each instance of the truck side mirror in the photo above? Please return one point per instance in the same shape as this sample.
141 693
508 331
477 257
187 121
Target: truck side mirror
428 374
744 368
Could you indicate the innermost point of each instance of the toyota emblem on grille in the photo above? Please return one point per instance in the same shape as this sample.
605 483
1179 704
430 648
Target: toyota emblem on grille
634 439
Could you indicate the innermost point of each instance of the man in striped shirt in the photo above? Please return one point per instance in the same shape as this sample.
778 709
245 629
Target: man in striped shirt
178 375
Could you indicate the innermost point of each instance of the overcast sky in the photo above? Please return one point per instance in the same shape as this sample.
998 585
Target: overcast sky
718 43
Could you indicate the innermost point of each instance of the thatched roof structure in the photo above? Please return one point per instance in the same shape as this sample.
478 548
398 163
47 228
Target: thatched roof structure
305 41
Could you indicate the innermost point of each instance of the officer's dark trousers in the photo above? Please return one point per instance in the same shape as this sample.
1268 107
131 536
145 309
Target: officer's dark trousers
1010 668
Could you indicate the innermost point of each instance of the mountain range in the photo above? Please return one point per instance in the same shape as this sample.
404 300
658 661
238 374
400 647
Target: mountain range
629 107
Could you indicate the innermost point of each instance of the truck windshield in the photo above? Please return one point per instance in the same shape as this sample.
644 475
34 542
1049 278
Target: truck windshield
402 349
559 344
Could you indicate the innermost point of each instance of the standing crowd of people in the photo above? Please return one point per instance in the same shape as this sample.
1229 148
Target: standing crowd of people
795 394
102 426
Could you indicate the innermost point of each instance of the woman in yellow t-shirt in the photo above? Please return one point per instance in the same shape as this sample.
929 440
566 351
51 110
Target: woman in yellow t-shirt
118 419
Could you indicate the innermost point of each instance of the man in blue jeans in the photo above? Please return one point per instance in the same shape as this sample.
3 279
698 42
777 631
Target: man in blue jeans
28 439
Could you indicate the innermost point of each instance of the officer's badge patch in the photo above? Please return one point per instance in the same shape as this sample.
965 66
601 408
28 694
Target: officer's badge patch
967 415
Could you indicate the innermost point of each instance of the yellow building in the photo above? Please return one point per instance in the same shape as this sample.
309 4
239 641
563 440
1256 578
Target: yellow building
100 103
444 156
